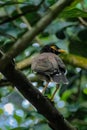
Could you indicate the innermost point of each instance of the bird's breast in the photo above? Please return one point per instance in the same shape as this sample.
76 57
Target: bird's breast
44 62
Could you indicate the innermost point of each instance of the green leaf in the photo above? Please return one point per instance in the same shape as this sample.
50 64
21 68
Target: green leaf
20 128
66 95
74 4
85 90
73 13
1 111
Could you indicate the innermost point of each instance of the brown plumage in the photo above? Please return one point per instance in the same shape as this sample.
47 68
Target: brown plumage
49 65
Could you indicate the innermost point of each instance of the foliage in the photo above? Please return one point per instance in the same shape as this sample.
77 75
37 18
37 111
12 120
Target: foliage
68 31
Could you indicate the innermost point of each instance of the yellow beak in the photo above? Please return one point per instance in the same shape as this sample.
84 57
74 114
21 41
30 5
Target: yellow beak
61 51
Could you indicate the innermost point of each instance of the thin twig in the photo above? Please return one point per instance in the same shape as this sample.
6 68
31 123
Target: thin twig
82 21
26 22
57 87
26 11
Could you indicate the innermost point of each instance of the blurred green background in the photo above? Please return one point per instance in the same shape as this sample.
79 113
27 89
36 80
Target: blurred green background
69 32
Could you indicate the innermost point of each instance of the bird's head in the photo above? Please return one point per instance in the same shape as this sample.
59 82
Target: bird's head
53 49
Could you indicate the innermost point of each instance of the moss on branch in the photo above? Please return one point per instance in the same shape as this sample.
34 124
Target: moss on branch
75 60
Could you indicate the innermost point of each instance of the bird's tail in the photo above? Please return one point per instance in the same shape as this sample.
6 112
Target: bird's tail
60 78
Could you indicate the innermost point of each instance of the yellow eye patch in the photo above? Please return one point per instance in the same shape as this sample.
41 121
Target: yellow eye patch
53 47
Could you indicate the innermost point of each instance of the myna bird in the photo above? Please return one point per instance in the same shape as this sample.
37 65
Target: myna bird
49 66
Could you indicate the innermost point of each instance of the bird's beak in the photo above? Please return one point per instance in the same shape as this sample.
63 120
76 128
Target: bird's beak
61 51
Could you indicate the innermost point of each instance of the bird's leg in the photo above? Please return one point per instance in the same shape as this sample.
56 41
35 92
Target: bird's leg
57 87
44 89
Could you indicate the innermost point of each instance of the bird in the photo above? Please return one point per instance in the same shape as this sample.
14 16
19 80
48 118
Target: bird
50 67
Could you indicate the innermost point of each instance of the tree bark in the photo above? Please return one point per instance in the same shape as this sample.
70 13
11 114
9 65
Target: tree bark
55 120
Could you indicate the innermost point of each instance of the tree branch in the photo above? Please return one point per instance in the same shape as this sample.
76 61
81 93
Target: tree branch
26 62
75 60
26 10
71 59
24 19
24 42
55 119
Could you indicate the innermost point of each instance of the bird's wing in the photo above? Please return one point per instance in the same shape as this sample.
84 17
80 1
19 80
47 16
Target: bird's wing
59 76
61 65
